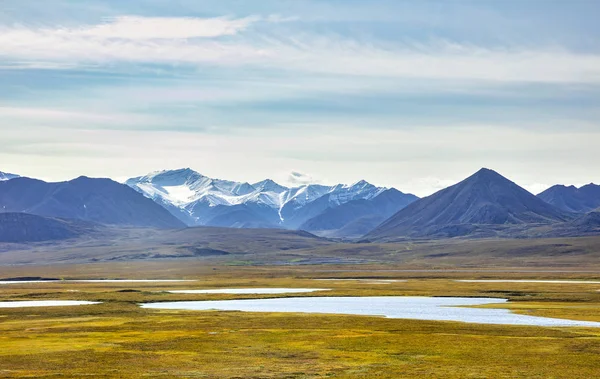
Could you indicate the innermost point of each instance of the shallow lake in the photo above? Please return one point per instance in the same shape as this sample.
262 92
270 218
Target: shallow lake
408 307
529 281
366 281
43 303
131 281
260 291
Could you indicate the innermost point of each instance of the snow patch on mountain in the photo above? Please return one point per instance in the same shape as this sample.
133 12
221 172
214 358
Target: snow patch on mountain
304 194
192 192
341 193
6 176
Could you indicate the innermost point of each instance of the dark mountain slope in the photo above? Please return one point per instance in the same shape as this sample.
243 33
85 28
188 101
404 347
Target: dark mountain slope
23 227
234 216
585 225
357 217
485 198
589 220
294 216
573 199
242 216
99 200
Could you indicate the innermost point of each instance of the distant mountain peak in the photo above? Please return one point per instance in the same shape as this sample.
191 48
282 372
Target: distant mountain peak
83 178
484 198
269 185
571 198
361 183
93 199
191 196
7 176
487 174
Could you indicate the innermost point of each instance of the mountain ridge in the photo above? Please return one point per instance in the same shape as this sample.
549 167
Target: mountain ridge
572 199
198 200
25 227
93 199
484 198
7 176
357 217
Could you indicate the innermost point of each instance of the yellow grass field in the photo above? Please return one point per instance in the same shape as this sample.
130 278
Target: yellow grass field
118 339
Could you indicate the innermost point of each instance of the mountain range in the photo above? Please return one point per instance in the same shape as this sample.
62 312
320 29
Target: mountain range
23 227
199 200
573 199
485 198
6 176
485 204
357 217
99 200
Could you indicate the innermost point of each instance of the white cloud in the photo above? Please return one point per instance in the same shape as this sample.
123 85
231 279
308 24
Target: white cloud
429 185
295 179
25 46
144 28
35 116
173 41
420 161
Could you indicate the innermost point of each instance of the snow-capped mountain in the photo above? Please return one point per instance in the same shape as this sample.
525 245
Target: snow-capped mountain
200 200
269 186
6 176
184 186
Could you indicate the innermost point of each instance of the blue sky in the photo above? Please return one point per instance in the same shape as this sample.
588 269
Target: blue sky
415 95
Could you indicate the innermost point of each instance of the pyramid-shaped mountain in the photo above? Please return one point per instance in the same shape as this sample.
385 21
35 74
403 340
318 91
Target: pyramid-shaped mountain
485 198
573 199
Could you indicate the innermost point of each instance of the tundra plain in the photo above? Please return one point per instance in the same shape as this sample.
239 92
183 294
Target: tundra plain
119 339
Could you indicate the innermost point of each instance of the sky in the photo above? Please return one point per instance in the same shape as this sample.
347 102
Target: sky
415 95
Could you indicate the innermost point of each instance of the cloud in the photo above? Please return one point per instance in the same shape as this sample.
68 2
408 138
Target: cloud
361 92
419 161
23 46
429 185
35 116
445 61
146 28
190 41
296 179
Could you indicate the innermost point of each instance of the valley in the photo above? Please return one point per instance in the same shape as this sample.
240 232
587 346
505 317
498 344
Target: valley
118 338
179 275
227 189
